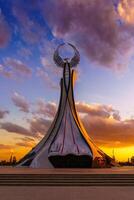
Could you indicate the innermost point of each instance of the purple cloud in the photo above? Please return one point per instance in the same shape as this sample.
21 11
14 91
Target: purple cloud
5 33
45 76
3 113
95 29
47 109
20 102
14 69
24 52
39 126
14 128
31 31
18 66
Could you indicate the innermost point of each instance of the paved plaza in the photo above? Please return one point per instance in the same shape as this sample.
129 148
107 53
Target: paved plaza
39 192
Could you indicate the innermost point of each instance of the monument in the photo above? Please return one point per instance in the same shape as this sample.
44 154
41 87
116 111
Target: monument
66 144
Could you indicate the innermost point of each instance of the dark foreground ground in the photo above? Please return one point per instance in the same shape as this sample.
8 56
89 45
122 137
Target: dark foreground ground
67 184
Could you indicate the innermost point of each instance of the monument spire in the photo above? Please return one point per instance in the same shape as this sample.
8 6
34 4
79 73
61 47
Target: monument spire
66 144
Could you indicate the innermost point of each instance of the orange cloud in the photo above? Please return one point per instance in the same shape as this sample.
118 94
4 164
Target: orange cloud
6 146
109 132
102 122
100 110
26 142
126 11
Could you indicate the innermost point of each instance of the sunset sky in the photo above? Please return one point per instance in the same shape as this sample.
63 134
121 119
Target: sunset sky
103 32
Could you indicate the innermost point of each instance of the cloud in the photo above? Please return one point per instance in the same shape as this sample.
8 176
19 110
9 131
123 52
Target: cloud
20 102
14 69
110 132
102 31
5 33
27 139
5 73
18 66
104 125
126 11
5 146
25 52
49 73
102 122
100 110
14 128
45 76
31 30
49 66
47 109
95 27
26 142
39 126
3 113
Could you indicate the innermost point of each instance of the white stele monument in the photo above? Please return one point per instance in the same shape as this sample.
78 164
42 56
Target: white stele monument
66 144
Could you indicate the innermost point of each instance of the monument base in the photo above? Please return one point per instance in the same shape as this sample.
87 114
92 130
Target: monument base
71 161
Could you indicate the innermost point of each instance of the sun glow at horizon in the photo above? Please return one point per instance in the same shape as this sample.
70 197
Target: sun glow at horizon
121 153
